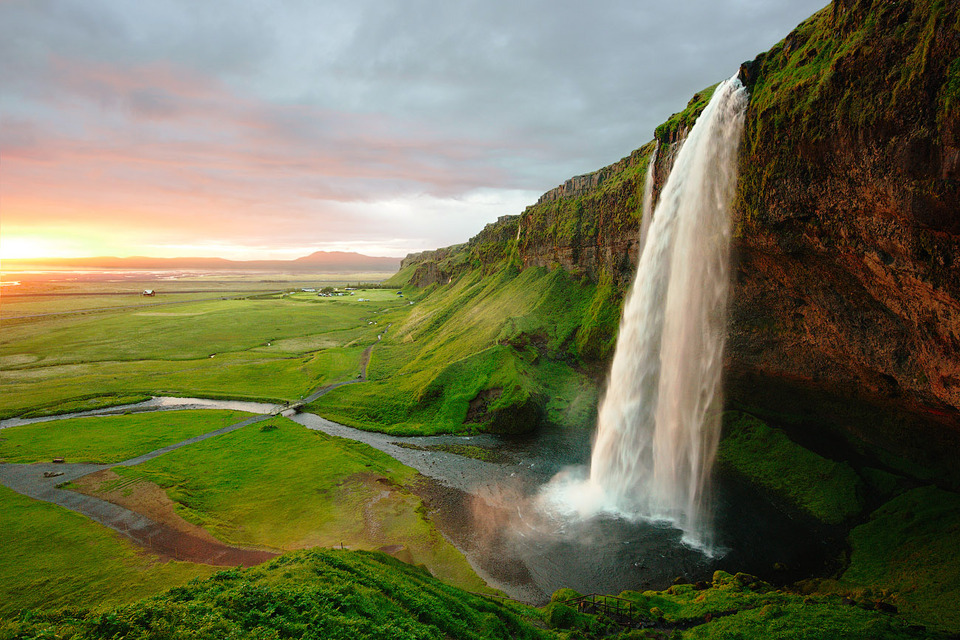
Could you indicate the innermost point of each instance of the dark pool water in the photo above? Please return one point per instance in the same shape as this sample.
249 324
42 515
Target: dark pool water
491 512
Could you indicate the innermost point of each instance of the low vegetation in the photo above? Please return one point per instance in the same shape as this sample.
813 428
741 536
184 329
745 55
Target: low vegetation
502 352
830 491
54 558
278 485
254 349
907 554
106 439
86 404
318 594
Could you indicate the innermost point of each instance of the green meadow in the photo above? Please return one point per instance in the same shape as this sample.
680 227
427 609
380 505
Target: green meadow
273 347
106 439
54 558
501 352
277 484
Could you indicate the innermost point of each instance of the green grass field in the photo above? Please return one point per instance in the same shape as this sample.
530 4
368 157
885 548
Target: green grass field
106 439
277 484
53 558
275 348
486 353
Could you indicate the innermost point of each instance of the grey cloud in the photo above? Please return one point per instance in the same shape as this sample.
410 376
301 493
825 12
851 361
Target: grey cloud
369 100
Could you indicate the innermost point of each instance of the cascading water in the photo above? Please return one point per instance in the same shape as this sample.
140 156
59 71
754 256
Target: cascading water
659 421
647 209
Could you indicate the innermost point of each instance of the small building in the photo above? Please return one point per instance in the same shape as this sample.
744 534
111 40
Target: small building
149 292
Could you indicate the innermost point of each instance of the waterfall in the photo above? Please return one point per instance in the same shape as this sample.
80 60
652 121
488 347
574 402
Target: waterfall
659 421
647 208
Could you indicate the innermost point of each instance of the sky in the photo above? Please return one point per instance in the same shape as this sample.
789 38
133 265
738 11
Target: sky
269 129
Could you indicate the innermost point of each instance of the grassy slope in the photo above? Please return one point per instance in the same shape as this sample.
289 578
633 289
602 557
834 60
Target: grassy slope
511 335
279 485
744 607
275 349
316 594
53 558
908 551
830 491
105 439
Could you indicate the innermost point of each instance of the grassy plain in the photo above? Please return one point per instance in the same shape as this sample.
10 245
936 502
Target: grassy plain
264 346
52 557
106 439
277 484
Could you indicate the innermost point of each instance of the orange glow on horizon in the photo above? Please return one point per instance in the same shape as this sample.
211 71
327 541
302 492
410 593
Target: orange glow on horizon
25 247
29 246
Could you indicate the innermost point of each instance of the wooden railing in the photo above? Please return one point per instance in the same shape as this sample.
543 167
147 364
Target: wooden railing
620 610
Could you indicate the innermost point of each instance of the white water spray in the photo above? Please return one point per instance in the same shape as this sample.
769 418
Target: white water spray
659 422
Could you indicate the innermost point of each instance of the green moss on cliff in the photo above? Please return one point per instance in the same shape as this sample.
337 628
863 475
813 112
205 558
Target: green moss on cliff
830 491
680 123
864 73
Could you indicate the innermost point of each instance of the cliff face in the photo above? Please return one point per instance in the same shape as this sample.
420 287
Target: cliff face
849 207
847 214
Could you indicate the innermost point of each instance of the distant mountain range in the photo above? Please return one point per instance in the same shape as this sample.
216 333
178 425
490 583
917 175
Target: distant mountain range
318 262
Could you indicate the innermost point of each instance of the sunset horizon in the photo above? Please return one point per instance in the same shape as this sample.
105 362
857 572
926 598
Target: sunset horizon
273 132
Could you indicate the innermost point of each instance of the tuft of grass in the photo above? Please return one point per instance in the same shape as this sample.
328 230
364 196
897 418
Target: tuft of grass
312 594
106 439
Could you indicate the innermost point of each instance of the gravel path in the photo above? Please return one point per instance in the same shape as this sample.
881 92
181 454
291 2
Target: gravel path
42 481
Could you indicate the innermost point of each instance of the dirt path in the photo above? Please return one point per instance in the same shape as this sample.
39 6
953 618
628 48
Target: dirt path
160 534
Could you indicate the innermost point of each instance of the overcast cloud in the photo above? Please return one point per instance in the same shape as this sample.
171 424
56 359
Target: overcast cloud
272 129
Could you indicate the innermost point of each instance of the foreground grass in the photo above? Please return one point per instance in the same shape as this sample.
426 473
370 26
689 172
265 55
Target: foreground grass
106 439
54 558
907 552
316 594
738 607
277 484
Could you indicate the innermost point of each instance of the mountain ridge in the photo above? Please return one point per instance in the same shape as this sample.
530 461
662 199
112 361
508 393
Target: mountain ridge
330 261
